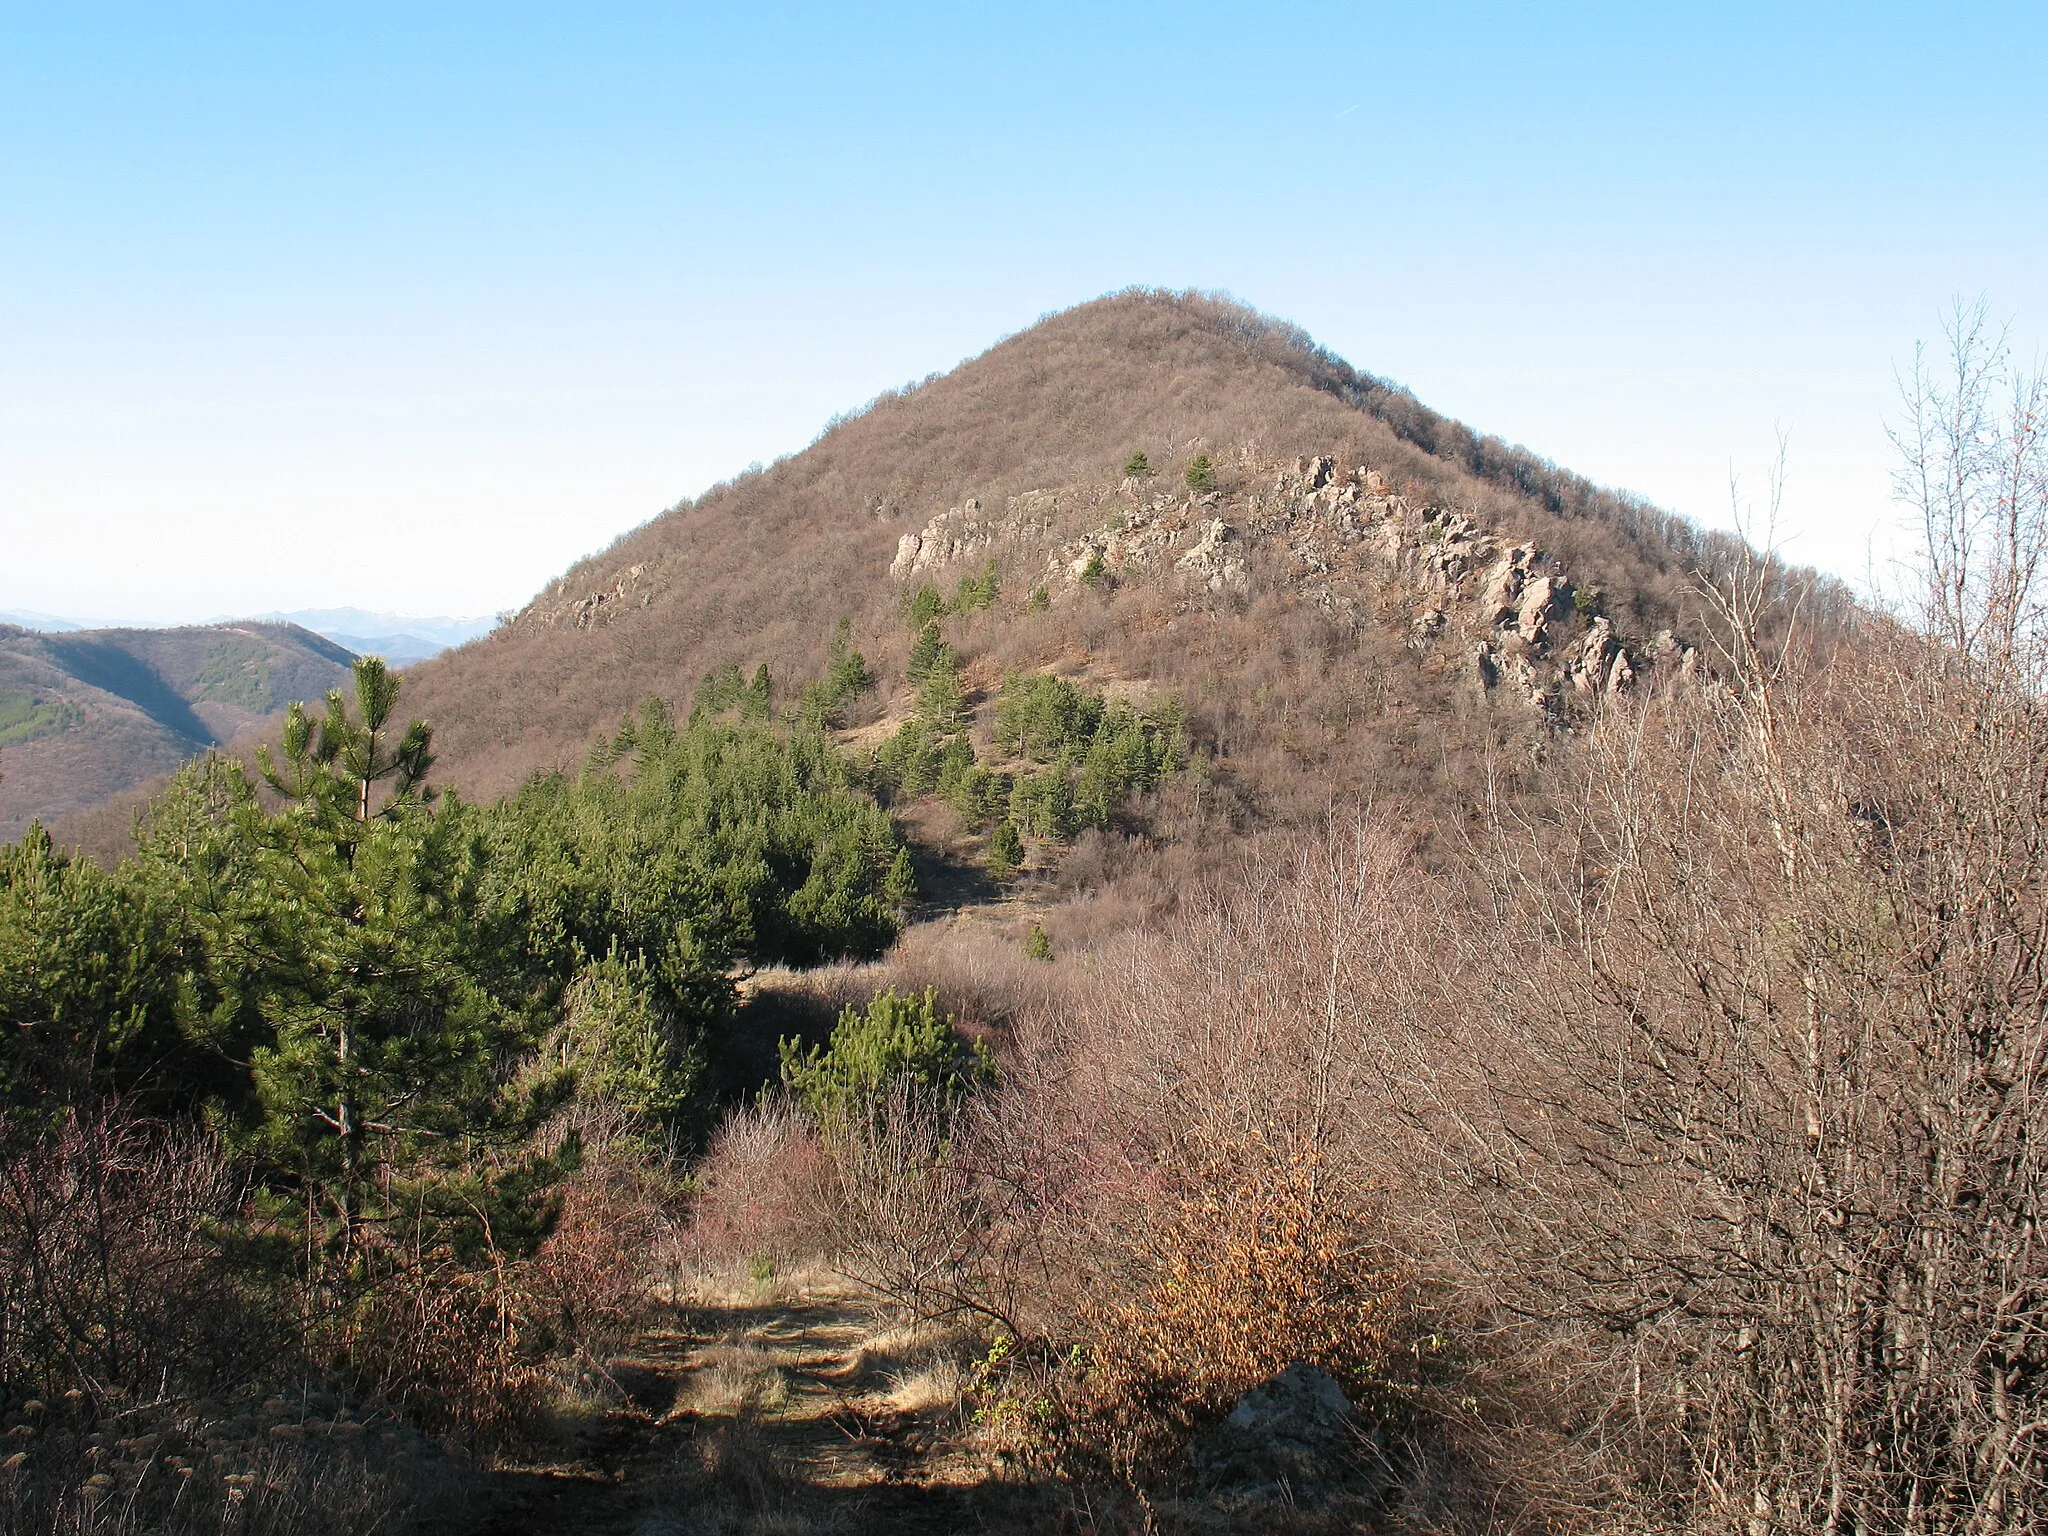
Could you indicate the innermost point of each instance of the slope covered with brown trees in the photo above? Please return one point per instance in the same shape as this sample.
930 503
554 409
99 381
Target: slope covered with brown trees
1036 434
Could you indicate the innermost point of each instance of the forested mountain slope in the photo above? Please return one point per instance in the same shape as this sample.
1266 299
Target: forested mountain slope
87 714
1373 559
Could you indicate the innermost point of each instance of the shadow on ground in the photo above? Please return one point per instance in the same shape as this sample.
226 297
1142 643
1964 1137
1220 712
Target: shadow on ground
761 1416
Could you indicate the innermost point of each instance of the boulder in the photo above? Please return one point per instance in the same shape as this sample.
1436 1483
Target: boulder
1600 664
1516 673
1291 1437
1485 665
1502 599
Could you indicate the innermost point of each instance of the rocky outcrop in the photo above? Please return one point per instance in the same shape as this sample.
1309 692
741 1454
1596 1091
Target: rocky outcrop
1216 560
1542 600
1292 1438
966 531
1349 542
1598 664
560 606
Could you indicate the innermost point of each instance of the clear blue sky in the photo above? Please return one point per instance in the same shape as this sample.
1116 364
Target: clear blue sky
409 306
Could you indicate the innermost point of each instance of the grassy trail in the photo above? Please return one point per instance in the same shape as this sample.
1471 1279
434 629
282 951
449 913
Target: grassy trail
774 1418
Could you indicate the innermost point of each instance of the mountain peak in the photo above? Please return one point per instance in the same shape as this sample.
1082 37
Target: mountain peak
1018 455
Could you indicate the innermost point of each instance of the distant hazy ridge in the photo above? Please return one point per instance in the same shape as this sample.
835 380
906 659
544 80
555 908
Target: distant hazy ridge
85 714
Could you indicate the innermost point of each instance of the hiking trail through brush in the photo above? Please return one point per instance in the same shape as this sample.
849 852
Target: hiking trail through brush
739 1418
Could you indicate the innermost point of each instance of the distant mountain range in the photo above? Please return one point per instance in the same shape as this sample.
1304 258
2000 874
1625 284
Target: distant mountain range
48 623
400 638
397 637
88 713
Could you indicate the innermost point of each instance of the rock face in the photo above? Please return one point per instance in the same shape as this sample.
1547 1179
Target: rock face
561 605
963 532
1601 665
1290 1437
1212 559
1344 540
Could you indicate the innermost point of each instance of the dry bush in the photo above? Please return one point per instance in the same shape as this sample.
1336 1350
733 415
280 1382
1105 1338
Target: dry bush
1747 1133
1257 1267
764 1184
475 1352
595 1275
112 1280
454 1347
1176 1172
1227 1208
914 1222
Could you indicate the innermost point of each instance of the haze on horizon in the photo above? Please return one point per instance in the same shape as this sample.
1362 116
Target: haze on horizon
408 311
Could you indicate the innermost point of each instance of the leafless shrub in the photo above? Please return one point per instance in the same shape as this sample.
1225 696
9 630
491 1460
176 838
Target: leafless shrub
1973 451
1738 1142
912 1221
765 1183
593 1282
1736 1148
111 1273
455 1348
473 1350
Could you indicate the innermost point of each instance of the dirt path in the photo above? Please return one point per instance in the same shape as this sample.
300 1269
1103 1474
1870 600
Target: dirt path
747 1420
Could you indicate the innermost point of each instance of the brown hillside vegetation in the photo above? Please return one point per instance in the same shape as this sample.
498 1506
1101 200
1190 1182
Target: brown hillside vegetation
759 569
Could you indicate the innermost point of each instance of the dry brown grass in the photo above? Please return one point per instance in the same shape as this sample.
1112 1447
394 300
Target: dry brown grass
273 1491
736 1377
914 1367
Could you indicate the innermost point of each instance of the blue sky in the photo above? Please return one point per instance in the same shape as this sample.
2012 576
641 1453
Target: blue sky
409 306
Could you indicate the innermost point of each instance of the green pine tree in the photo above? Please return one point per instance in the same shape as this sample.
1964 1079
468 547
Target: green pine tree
929 653
927 605
894 1040
347 919
1005 850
